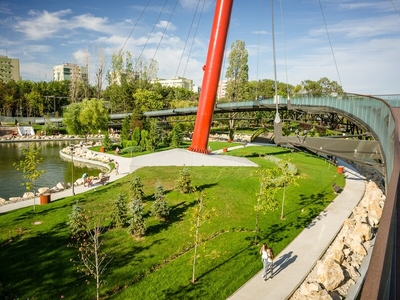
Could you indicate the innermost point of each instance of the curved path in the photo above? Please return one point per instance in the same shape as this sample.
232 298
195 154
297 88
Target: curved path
294 263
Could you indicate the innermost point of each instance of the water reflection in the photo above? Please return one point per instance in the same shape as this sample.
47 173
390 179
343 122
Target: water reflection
57 169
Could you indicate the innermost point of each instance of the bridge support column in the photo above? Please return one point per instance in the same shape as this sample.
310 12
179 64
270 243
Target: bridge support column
212 71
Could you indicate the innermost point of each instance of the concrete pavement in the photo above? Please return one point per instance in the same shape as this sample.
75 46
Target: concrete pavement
293 264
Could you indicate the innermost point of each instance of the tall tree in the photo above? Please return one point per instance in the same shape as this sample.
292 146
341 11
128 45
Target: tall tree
86 116
237 75
100 70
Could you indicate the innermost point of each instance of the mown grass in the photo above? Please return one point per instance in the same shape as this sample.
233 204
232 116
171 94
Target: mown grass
35 259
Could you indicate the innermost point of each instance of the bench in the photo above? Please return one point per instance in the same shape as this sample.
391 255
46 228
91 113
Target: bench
336 188
103 180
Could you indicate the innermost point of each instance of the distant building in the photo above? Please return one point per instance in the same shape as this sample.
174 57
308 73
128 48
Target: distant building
116 76
9 69
68 71
221 92
176 82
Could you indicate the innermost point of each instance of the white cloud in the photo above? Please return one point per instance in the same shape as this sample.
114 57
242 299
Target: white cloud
166 25
5 8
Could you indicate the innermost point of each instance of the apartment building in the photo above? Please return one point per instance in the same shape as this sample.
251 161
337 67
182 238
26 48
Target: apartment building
68 71
9 69
176 82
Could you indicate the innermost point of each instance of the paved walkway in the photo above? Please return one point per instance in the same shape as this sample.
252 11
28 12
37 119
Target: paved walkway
294 263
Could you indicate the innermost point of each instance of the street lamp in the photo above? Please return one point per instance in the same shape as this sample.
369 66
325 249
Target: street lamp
131 133
72 148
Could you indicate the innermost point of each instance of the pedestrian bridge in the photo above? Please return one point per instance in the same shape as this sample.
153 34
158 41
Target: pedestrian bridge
380 115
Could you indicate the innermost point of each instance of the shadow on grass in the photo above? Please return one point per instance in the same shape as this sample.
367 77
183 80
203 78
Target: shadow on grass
34 268
176 215
310 200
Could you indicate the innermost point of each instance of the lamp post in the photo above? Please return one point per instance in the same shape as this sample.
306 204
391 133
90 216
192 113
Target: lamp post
131 133
72 148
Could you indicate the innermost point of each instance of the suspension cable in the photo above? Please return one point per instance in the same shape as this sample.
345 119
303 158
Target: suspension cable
395 8
150 34
187 39
134 26
330 43
194 36
273 46
258 46
165 29
284 51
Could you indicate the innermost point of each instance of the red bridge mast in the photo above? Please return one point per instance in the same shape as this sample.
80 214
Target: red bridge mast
212 71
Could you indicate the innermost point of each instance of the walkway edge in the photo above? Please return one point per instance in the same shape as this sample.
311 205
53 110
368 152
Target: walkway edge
295 262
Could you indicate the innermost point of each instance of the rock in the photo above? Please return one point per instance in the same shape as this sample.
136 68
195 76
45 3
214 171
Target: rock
336 252
60 186
28 195
330 274
313 291
3 201
356 246
364 231
43 190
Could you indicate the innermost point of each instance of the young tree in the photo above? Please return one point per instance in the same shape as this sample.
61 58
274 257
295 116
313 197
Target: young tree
29 166
91 260
118 211
136 136
266 198
176 135
160 208
287 177
137 225
137 189
107 142
184 183
77 220
237 75
200 216
154 136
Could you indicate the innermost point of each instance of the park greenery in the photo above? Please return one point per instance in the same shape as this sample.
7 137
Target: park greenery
140 251
201 224
29 165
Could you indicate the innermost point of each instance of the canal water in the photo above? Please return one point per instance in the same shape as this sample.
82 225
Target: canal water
57 169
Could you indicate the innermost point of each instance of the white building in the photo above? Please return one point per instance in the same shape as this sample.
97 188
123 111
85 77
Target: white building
176 82
68 71
221 92
117 76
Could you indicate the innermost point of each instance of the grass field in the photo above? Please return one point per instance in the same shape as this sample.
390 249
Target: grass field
35 259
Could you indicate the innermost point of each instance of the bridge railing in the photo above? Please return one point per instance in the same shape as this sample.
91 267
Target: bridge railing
373 112
382 280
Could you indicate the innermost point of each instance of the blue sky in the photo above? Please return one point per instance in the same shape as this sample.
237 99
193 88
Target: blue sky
364 34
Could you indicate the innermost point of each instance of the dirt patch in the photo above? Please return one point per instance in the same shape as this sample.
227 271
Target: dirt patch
6 131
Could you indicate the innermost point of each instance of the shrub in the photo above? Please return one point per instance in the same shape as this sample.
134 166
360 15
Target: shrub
77 220
118 211
137 226
160 208
184 183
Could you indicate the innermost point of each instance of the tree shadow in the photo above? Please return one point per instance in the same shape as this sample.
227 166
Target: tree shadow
176 215
306 201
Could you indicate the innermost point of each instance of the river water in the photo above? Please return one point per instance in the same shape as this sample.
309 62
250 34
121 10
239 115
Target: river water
57 169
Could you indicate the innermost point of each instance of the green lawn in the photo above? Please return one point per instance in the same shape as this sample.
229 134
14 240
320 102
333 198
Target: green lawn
35 259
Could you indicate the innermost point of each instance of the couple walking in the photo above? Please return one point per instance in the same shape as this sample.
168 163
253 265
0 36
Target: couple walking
267 258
